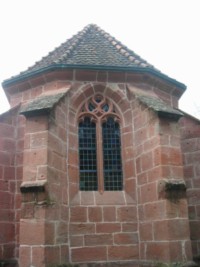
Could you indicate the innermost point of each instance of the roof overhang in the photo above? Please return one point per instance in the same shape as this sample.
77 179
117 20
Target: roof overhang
140 70
42 105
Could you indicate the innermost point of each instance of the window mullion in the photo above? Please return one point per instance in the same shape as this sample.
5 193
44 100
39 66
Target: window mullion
99 157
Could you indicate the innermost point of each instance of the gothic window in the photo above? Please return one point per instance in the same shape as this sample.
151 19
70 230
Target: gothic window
100 163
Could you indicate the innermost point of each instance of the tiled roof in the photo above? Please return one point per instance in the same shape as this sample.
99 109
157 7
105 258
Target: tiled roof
42 104
160 107
91 48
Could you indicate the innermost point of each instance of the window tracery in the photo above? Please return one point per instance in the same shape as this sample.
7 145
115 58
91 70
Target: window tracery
100 163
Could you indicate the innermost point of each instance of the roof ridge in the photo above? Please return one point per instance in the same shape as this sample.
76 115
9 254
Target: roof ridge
71 43
75 42
121 48
60 47
90 48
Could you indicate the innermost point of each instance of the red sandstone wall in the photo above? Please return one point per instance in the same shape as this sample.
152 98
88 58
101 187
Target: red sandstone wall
29 89
190 133
103 227
11 144
163 223
87 226
44 220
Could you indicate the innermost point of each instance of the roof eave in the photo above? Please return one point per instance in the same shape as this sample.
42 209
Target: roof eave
142 70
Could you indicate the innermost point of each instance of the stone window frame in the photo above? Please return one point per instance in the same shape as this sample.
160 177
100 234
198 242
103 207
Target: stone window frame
99 108
119 95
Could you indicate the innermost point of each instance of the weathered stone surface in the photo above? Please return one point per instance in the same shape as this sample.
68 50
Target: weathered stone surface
42 104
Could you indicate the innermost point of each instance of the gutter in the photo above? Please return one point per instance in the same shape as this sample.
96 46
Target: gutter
141 70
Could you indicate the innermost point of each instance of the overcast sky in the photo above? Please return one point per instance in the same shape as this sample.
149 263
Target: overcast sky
163 32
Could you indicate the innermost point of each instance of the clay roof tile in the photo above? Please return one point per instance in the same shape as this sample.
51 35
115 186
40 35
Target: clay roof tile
91 48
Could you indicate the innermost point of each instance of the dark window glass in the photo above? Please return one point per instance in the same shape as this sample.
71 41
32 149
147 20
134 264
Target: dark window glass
91 107
105 107
87 155
112 155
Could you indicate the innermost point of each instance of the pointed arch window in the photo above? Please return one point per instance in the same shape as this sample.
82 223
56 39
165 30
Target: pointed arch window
100 163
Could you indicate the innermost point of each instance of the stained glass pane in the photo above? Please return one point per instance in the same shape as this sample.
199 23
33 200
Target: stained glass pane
105 107
87 155
91 107
112 155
